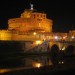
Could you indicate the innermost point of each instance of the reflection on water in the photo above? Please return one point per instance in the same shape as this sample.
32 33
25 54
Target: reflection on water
12 64
30 61
37 61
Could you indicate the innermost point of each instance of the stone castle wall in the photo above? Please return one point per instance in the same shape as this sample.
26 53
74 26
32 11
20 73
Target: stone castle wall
31 22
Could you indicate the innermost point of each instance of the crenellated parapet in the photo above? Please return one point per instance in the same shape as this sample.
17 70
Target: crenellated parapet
31 21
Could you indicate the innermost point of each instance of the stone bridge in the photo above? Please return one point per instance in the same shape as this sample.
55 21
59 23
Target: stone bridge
62 45
50 46
33 46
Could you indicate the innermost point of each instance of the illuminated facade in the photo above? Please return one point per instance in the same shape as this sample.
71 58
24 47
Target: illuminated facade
32 25
30 21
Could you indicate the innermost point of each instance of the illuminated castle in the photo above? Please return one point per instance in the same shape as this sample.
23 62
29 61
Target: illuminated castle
31 25
29 22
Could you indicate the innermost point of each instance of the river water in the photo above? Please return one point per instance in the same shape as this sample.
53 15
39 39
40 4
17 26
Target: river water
34 61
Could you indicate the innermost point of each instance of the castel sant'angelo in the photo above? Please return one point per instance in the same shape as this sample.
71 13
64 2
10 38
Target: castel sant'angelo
32 25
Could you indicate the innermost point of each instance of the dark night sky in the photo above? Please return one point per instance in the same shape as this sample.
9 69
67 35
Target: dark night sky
61 12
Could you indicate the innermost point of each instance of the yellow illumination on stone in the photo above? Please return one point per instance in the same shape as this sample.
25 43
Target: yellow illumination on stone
38 42
34 33
5 35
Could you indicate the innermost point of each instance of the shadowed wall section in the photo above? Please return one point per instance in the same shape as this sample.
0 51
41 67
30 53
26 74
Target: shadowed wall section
70 49
54 50
11 47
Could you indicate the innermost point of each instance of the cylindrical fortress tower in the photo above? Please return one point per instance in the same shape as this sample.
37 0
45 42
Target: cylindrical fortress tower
31 20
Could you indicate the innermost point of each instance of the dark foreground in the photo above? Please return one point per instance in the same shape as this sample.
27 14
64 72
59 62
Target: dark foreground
56 69
52 70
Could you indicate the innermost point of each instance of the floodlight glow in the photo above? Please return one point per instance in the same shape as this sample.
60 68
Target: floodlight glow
72 37
56 37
